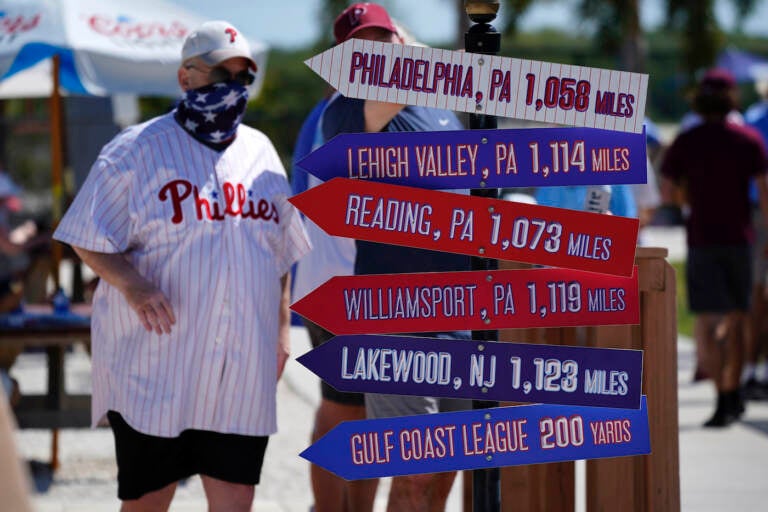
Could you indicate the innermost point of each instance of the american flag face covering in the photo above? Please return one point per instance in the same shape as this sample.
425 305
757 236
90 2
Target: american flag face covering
212 113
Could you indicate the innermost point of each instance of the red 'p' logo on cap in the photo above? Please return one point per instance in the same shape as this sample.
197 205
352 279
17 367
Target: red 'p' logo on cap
355 15
232 34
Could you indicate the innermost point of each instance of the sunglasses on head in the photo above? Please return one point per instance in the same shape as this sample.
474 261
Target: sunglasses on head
221 74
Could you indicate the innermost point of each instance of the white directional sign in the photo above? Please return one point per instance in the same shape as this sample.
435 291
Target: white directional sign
485 84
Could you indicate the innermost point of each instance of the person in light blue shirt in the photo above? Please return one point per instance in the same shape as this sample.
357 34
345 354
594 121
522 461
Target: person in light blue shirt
755 372
574 197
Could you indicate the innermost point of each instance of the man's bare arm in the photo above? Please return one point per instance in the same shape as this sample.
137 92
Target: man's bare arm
150 304
378 114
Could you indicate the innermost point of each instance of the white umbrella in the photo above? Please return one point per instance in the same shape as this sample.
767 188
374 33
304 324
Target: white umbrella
104 46
98 47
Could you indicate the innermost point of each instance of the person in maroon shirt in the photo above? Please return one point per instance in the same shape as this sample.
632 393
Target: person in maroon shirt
712 165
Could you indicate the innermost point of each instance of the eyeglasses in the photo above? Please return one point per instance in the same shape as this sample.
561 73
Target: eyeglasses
222 74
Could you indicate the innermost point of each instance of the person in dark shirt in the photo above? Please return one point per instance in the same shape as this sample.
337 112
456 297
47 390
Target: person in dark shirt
713 164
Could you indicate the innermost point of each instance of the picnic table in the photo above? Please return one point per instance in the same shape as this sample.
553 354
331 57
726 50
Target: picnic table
37 326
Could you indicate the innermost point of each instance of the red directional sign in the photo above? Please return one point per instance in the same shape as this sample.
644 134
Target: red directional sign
476 226
448 301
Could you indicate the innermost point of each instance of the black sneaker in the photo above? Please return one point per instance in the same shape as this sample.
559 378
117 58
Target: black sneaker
755 390
729 409
721 419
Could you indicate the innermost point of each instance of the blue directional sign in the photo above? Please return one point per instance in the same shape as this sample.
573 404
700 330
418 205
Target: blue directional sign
535 157
513 372
478 439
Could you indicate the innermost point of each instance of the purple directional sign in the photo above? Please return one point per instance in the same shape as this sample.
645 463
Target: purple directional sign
536 157
478 439
512 372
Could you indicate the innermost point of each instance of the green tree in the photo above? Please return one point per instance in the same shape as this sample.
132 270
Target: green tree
699 30
329 10
744 9
702 37
618 30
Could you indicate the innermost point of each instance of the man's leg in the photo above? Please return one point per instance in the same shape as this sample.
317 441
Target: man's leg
755 345
332 493
155 501
147 467
733 353
707 347
710 330
756 338
227 497
729 360
420 493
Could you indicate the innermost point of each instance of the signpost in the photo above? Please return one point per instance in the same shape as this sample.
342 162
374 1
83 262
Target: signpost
600 289
482 38
538 157
476 226
485 84
479 439
512 372
451 301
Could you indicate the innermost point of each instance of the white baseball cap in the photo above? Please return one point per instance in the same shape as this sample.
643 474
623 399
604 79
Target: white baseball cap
216 41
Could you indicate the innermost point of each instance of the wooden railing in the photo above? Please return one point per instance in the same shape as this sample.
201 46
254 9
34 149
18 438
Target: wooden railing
648 483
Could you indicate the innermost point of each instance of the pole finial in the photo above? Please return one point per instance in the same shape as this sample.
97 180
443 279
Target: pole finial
481 11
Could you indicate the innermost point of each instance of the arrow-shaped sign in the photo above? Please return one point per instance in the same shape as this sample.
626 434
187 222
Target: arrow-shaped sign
477 226
537 157
485 84
512 372
505 436
475 300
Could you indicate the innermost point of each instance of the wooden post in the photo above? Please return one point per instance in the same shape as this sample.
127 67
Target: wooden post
650 482
57 165
539 487
57 187
641 483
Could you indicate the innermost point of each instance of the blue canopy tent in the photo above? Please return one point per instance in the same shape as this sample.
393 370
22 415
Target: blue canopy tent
745 66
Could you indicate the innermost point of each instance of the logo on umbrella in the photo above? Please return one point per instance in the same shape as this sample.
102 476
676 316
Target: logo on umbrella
137 32
12 26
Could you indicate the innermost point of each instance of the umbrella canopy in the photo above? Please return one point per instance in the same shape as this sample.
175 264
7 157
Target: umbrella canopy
104 46
96 47
745 66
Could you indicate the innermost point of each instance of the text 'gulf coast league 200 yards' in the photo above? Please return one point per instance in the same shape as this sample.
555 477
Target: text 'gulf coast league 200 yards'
496 437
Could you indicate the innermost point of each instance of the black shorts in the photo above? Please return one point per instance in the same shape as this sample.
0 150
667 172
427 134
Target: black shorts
318 336
719 279
148 463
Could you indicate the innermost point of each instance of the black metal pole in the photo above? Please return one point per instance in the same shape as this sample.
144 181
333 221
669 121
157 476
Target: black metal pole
483 38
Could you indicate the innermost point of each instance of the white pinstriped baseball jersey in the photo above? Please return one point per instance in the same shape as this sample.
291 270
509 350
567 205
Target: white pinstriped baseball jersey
215 232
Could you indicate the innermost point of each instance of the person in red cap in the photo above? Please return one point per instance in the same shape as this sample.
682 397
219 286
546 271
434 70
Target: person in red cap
15 244
15 247
711 165
414 493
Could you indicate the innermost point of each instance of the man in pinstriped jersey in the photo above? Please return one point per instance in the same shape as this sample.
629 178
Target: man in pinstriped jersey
185 218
